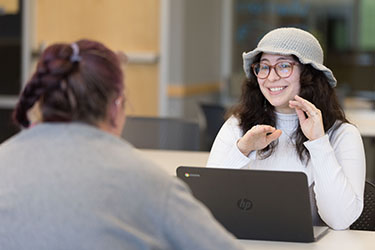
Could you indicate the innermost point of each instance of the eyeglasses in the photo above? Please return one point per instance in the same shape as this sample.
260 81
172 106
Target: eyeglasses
282 69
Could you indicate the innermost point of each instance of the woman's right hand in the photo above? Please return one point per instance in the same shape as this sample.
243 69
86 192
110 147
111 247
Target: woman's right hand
257 138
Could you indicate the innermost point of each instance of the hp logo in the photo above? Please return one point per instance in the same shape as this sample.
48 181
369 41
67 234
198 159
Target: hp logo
244 204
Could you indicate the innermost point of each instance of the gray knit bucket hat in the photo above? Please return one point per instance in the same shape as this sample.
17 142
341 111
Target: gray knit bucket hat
290 41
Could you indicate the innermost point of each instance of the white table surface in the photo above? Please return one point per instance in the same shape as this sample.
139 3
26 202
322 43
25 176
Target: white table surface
341 240
169 160
364 120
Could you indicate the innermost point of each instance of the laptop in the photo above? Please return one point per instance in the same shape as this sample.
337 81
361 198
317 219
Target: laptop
256 204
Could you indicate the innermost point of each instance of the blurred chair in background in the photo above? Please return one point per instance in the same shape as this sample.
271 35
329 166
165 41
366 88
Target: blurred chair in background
161 133
367 219
214 118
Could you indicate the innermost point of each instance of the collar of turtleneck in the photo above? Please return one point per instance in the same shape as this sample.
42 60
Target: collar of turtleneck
286 121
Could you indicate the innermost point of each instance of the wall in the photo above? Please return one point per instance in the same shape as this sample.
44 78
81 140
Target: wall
194 57
9 6
131 26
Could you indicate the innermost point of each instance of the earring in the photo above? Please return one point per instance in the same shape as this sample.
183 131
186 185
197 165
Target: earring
119 100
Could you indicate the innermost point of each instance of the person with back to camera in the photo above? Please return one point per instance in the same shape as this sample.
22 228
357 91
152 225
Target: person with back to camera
289 119
70 182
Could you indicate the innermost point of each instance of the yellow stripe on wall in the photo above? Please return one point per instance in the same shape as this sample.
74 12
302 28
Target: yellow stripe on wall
9 6
193 89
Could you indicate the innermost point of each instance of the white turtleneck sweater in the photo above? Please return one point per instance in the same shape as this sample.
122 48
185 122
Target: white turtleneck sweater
337 166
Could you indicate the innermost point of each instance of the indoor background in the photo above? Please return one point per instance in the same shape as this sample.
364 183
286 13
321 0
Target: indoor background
185 53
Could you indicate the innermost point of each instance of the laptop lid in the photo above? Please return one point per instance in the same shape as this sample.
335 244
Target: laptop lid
255 204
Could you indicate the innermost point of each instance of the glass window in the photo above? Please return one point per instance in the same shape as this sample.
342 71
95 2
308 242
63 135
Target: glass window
343 27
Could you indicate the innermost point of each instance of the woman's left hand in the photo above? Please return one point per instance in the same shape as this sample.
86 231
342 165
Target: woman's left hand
310 118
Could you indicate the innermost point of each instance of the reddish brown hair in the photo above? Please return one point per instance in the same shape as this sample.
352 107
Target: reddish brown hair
72 90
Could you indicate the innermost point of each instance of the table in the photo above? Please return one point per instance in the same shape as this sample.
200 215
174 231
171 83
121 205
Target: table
364 120
342 240
169 160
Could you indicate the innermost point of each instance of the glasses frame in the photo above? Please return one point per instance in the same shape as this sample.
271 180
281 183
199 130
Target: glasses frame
274 68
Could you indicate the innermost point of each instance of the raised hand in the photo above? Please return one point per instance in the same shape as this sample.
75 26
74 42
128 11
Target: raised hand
257 138
310 118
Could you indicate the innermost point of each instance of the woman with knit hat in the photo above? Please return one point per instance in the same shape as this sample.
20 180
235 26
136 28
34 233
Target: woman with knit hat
289 119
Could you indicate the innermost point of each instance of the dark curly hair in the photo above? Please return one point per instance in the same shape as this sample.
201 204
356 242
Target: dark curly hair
72 90
254 108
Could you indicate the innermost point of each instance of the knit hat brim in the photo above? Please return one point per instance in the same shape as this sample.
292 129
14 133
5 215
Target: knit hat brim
248 59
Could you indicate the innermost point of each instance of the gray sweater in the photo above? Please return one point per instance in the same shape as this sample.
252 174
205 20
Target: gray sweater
73 186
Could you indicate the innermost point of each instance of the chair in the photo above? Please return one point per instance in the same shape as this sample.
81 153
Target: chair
214 117
367 219
161 133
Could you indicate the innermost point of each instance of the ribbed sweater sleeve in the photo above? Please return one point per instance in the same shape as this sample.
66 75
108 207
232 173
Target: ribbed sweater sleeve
338 166
224 152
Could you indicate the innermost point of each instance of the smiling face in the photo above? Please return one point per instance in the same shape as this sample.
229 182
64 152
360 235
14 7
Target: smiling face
278 91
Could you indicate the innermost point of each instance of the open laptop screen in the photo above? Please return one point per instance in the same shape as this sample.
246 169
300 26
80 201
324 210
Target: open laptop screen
255 204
